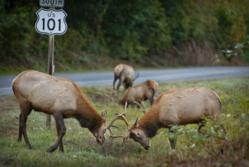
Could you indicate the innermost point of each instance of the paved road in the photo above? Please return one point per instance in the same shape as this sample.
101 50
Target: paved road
161 75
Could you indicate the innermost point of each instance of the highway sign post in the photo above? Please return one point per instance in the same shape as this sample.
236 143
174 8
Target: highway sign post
51 22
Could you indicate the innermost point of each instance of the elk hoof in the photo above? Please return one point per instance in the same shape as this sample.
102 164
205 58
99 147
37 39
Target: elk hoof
51 149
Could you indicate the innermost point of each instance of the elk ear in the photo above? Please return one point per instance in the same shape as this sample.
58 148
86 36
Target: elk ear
136 123
103 114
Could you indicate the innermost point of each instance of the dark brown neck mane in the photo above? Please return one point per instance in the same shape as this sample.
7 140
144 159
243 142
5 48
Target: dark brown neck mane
87 114
149 122
92 123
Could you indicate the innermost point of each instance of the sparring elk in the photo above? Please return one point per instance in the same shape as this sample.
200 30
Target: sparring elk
177 107
139 93
125 75
58 97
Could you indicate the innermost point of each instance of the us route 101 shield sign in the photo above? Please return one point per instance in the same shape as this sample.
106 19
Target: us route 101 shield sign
51 22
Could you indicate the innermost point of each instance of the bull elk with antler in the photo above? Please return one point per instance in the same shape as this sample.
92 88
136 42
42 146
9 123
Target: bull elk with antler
62 99
176 107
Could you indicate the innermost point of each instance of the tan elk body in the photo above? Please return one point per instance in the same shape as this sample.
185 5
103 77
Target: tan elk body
125 75
176 107
139 93
58 97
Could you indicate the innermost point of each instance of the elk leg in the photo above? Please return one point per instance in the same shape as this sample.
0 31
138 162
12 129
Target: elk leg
62 130
25 111
151 98
126 106
61 148
114 81
140 105
172 138
20 128
119 84
201 125
48 121
137 104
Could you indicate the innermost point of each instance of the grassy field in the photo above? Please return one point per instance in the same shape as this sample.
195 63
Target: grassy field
81 149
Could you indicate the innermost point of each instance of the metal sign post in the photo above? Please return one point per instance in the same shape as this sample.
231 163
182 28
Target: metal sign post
51 22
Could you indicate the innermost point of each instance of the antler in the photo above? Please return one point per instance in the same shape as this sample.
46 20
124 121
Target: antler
122 117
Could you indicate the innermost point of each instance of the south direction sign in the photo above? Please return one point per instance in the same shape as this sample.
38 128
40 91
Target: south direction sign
52 3
51 22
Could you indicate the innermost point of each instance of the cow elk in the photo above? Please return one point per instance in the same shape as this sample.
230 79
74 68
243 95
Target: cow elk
58 97
177 107
125 75
139 93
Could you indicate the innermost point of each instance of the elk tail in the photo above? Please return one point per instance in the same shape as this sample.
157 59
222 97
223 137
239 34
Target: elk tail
217 96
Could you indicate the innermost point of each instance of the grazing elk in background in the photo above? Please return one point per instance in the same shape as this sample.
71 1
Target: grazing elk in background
58 97
139 93
177 107
126 76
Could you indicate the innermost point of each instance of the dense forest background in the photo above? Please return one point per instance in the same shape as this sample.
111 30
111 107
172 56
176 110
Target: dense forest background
148 33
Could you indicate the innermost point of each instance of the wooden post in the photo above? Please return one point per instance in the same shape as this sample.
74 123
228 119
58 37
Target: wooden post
51 68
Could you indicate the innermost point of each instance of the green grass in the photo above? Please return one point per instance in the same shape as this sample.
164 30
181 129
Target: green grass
81 149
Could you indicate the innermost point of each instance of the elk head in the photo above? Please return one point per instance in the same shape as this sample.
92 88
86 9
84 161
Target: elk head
100 133
135 132
128 83
138 135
